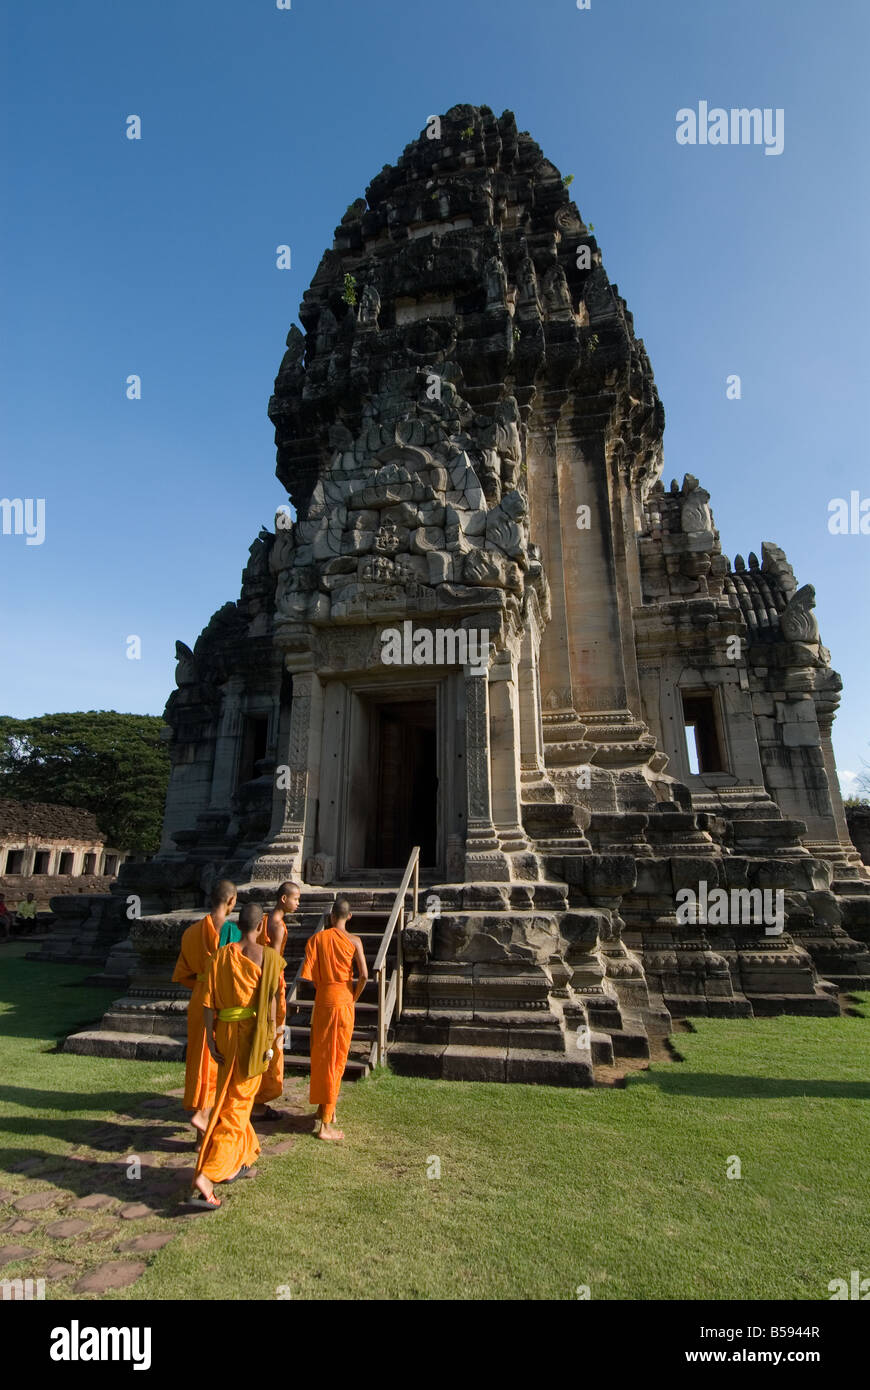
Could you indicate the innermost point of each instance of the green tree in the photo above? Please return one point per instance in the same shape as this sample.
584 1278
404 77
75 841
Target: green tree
114 765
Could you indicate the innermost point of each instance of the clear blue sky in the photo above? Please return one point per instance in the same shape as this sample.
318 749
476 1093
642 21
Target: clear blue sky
157 257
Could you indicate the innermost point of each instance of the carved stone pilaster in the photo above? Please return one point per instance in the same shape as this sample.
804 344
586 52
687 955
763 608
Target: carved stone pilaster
226 747
504 726
483 857
292 827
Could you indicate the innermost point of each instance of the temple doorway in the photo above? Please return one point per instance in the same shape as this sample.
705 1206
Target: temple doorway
404 767
392 775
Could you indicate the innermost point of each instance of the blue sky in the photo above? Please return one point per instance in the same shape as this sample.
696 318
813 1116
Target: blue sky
259 126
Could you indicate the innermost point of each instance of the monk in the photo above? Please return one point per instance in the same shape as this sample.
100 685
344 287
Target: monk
273 932
198 945
240 1007
330 957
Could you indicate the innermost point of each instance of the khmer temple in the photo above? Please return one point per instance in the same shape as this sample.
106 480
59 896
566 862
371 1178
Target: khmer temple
486 628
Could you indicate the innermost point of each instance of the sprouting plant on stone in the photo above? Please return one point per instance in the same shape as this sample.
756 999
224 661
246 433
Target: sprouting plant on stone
517 334
567 180
467 132
593 342
349 295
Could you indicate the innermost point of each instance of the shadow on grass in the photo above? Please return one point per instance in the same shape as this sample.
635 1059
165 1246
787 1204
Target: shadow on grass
682 1083
45 1003
105 1138
159 1188
118 1102
148 1133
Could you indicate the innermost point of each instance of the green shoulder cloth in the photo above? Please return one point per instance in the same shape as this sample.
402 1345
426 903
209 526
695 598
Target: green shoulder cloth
273 964
229 933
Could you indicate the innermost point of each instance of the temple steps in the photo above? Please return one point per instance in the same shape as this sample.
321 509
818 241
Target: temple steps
138 1047
761 1006
368 924
628 1041
299 1064
454 1062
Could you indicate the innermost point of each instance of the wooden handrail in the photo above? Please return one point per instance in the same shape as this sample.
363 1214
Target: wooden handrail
390 992
291 993
412 868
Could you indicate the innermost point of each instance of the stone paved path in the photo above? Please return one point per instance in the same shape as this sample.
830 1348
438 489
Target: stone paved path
88 1221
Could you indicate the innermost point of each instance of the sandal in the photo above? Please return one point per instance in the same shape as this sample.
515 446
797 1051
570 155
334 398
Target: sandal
199 1202
246 1171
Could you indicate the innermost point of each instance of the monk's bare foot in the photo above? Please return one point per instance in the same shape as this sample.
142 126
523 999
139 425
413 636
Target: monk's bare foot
330 1132
204 1185
199 1120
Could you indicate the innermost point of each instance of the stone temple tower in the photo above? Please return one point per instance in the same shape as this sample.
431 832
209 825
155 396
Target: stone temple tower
488 630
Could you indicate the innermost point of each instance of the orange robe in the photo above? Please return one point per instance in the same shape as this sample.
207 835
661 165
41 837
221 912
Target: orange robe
235 982
329 957
198 945
272 1080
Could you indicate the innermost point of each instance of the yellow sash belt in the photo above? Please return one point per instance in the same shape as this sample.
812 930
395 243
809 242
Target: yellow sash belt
234 1014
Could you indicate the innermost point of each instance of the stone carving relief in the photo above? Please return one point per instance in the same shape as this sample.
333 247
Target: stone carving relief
695 514
798 622
410 526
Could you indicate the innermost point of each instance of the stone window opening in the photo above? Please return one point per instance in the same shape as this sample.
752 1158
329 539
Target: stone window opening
703 736
14 861
89 864
111 865
65 864
41 861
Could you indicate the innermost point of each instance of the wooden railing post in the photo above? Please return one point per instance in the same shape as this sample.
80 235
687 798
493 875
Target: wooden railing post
382 1010
399 963
379 967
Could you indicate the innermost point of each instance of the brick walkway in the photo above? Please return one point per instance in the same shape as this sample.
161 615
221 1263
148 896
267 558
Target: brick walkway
89 1222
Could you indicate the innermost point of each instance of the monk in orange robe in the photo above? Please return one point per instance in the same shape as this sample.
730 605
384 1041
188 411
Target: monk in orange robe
240 1006
198 945
273 932
330 957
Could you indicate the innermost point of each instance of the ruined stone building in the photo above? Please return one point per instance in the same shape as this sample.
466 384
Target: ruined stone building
587 708
47 849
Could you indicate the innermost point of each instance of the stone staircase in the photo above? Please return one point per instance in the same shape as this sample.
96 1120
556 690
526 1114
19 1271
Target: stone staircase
368 925
150 1024
516 1013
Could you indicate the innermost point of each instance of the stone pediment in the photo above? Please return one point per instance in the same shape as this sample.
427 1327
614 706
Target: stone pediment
411 530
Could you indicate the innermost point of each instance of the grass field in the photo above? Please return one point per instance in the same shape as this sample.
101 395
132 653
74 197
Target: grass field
541 1190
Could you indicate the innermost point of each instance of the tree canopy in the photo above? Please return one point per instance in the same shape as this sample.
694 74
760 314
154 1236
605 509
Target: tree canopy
115 765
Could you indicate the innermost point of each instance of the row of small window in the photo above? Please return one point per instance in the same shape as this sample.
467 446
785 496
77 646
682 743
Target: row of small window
65 862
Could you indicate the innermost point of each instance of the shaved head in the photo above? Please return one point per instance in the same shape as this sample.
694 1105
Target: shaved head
290 892
250 917
340 910
223 892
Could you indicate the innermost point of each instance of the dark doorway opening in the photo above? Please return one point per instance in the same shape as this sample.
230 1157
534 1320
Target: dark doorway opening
404 764
254 741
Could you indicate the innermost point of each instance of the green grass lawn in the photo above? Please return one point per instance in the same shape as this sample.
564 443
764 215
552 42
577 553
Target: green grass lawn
541 1189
